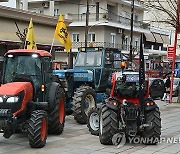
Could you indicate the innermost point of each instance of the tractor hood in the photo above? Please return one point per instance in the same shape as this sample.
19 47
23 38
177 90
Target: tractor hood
14 88
79 74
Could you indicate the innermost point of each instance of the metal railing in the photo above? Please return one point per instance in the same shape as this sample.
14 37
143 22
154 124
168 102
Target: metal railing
109 17
76 45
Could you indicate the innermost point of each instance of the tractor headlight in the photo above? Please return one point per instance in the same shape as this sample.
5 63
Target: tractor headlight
1 100
13 99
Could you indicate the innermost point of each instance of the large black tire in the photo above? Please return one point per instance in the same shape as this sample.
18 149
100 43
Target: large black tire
93 121
57 113
37 129
84 99
108 125
152 134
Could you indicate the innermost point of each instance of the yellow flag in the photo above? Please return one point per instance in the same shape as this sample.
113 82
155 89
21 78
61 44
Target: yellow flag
30 41
62 35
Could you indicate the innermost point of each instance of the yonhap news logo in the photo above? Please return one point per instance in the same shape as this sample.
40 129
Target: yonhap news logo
120 140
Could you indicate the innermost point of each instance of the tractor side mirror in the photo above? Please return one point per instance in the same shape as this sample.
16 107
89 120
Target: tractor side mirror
111 57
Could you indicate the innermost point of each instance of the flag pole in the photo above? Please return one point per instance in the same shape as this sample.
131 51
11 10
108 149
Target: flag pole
25 44
52 45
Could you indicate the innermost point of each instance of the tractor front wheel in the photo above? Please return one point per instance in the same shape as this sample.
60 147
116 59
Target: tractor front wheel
57 113
108 126
153 132
93 121
37 129
84 99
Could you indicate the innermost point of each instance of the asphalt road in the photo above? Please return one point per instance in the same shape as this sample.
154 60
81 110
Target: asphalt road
76 139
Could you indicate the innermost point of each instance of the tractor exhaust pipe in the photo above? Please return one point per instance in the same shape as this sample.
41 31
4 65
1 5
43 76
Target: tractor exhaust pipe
141 79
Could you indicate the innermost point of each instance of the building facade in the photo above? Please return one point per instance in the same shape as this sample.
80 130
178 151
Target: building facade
109 24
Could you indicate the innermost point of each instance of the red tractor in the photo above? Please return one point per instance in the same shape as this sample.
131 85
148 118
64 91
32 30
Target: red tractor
31 98
124 113
129 110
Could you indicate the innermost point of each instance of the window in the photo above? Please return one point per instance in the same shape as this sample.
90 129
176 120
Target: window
136 43
126 42
135 18
91 37
97 11
75 37
113 39
56 12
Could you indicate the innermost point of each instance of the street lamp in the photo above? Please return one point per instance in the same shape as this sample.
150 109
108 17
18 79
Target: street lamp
96 25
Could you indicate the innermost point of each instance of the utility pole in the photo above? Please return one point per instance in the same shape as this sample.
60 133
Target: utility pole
87 23
131 37
175 45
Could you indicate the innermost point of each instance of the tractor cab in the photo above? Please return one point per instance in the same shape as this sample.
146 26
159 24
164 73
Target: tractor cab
101 62
31 99
34 67
126 86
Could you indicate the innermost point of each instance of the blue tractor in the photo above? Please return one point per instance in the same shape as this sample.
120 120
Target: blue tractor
89 81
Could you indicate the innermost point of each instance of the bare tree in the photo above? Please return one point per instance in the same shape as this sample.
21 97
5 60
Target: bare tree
164 11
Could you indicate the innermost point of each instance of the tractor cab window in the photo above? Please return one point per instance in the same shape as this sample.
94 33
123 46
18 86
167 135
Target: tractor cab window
113 59
24 67
89 59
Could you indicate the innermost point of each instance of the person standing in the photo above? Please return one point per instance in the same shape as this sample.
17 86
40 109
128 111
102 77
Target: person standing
167 87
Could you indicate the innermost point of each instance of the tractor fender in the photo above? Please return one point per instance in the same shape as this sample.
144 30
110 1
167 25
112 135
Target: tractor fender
52 94
149 108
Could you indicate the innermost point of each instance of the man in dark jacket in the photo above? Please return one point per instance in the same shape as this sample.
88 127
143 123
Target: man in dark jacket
167 86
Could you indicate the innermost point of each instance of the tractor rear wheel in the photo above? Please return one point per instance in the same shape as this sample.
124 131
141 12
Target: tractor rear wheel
93 121
84 99
37 129
57 113
153 132
108 126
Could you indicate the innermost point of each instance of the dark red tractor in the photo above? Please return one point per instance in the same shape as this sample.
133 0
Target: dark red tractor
31 98
124 113
128 110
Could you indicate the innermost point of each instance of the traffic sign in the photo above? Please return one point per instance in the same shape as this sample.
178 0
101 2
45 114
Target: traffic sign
170 52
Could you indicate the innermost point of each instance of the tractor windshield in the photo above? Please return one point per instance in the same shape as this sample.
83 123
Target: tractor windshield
89 59
21 65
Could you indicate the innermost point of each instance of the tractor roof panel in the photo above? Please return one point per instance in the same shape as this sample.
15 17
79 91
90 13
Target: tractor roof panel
42 53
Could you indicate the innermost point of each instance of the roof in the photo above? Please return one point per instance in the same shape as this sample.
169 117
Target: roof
42 53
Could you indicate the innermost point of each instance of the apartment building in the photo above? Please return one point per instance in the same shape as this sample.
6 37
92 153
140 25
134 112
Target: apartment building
109 21
109 24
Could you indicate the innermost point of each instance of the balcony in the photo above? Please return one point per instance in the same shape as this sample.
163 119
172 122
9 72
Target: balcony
122 47
93 17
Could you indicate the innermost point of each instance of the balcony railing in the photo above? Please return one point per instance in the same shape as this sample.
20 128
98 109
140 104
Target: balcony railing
76 45
108 17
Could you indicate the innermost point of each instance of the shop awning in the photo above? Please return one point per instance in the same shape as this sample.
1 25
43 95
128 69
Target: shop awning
165 39
158 38
149 37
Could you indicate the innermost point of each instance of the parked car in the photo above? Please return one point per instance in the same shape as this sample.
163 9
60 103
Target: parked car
156 87
176 85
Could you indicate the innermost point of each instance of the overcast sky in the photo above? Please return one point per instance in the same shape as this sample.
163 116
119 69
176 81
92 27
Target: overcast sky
11 3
